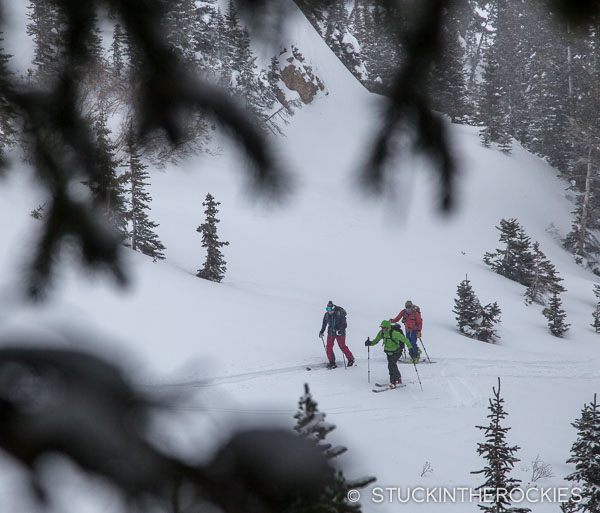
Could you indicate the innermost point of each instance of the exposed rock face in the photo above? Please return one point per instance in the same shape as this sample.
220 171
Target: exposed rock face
298 76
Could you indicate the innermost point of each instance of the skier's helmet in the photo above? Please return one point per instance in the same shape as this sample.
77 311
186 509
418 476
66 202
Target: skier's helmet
408 304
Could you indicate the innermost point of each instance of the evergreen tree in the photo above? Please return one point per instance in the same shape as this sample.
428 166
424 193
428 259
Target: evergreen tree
474 31
142 236
207 37
515 260
214 265
544 277
38 212
472 319
108 189
377 26
584 135
500 460
449 91
7 111
494 108
339 38
93 43
490 316
274 80
181 25
467 309
547 85
596 314
46 28
335 26
555 314
311 424
119 50
315 12
232 39
585 454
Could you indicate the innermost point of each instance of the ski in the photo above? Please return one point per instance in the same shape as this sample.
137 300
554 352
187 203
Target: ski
419 363
385 388
319 366
324 366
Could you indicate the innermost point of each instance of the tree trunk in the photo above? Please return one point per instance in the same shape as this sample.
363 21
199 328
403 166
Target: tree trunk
133 209
585 204
569 61
476 58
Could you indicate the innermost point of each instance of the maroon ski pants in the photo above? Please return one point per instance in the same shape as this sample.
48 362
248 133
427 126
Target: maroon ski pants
341 340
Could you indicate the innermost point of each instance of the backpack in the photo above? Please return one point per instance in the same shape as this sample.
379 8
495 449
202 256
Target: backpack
344 313
417 308
396 327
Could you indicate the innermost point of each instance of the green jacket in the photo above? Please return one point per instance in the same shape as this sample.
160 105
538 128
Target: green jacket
392 340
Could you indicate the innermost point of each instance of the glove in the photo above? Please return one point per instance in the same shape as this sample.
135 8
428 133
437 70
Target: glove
418 334
339 333
367 342
321 333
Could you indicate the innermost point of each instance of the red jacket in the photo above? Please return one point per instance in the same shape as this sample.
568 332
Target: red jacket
412 321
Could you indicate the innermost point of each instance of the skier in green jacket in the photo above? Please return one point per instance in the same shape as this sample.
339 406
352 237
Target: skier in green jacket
393 343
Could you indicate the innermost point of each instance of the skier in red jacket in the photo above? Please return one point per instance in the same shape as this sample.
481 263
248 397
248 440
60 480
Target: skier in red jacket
411 318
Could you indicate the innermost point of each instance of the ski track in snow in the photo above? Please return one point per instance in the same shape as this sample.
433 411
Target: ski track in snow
448 368
450 384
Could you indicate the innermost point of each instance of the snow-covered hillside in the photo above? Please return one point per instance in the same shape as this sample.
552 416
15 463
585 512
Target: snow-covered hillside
242 346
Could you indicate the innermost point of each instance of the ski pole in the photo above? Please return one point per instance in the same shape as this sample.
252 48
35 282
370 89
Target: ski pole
324 348
418 377
344 357
421 340
369 364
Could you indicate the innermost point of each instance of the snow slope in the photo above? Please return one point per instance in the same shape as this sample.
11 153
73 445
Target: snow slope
242 346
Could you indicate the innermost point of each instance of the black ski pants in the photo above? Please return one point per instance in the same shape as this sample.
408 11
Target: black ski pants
392 359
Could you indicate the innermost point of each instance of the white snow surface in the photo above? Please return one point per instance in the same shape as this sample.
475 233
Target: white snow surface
240 348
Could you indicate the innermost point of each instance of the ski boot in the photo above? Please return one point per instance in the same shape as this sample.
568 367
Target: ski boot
416 360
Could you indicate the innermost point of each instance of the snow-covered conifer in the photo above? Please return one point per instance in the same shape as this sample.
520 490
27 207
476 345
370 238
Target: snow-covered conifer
311 424
467 309
514 261
118 50
490 316
449 89
108 189
555 314
596 314
7 111
142 236
46 28
472 319
585 454
544 277
500 460
214 265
